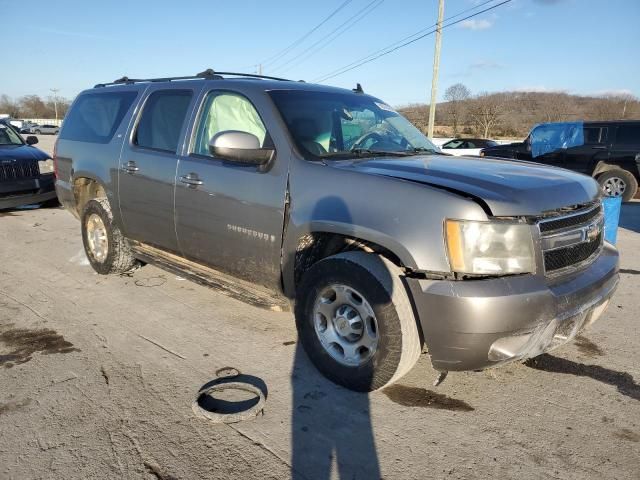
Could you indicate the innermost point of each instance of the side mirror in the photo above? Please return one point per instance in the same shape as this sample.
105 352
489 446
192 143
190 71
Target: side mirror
240 147
31 140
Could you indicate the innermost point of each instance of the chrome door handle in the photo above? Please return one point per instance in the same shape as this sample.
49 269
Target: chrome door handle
191 179
599 147
130 167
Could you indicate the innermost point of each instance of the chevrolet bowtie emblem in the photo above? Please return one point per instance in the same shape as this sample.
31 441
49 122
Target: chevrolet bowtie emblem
592 232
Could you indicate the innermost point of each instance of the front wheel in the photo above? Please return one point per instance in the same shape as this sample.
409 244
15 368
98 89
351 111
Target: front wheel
355 321
38 132
107 249
619 183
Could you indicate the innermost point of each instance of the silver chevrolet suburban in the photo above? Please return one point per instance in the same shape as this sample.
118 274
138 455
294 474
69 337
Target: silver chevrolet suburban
279 192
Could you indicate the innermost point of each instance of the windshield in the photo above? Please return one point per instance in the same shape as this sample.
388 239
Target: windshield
343 125
8 136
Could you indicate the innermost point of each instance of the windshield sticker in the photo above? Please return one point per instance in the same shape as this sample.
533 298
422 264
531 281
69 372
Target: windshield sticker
384 106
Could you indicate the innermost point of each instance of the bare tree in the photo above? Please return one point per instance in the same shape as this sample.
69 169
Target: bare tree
456 96
8 106
485 111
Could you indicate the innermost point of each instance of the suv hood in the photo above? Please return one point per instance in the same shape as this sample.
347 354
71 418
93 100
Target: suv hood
10 153
508 188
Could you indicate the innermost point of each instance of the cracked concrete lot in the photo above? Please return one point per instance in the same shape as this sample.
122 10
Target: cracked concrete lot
97 376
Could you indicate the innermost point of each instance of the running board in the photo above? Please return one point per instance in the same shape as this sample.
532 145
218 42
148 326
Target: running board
227 285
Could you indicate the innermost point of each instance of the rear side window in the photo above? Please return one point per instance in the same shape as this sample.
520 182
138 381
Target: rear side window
162 119
95 117
628 135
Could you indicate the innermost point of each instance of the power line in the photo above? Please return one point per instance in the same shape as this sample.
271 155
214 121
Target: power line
391 48
417 33
359 15
287 49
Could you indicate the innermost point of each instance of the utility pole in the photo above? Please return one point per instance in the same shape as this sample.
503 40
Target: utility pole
436 68
55 100
260 69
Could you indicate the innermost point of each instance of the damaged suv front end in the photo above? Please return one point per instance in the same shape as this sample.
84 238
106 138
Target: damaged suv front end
521 287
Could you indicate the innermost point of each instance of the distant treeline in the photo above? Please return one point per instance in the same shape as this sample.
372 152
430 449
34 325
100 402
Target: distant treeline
512 114
33 106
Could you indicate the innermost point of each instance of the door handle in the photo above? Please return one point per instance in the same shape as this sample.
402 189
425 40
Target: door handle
130 167
191 179
599 147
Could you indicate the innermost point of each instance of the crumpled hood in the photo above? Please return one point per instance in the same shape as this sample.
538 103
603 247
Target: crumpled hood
509 188
9 153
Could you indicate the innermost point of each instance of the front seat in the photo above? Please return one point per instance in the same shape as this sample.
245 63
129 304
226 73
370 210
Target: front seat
306 131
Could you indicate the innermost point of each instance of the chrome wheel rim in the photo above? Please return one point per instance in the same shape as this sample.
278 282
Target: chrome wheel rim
97 237
614 187
345 325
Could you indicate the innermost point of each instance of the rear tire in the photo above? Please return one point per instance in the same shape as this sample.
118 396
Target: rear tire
107 249
619 183
374 282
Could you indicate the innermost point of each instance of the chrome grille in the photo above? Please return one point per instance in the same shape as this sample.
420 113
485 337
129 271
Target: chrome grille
19 170
571 240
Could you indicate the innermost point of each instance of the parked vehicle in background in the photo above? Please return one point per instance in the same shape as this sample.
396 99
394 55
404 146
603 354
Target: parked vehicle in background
26 173
331 199
46 130
467 146
609 151
28 127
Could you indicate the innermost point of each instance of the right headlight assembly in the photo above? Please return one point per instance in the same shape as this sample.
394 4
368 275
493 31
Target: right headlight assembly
489 248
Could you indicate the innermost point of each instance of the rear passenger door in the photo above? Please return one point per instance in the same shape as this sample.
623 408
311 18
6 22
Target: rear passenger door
625 150
148 166
583 158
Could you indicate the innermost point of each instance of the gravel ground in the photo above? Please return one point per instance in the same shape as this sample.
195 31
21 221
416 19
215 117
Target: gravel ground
97 376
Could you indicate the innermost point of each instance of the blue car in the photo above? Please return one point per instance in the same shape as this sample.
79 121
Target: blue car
26 172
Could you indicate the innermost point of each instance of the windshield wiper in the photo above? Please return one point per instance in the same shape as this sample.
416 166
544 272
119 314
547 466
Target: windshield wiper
363 153
424 150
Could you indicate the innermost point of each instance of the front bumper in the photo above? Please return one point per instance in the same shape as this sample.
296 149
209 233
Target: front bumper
477 324
26 192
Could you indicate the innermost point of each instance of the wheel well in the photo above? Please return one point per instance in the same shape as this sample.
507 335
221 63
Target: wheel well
315 246
602 168
85 189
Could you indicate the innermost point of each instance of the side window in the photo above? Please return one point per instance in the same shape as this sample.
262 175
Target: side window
162 120
95 117
224 111
628 135
454 144
592 135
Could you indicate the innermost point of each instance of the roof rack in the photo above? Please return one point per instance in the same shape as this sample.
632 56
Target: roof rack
208 74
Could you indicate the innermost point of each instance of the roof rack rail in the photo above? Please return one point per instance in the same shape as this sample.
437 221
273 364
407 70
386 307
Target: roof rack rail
208 74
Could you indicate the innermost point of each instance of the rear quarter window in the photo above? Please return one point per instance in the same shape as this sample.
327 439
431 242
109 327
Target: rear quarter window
628 135
95 117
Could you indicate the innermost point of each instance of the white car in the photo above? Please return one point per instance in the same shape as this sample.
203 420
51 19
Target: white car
467 146
45 129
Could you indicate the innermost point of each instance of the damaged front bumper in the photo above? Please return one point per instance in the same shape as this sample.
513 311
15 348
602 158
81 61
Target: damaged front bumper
477 324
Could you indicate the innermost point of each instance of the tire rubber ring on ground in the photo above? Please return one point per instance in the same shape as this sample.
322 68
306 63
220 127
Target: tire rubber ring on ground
229 417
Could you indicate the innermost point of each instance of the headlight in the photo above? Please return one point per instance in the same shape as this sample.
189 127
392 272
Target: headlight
489 248
45 166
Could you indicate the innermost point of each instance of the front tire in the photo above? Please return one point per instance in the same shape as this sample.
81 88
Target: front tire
619 183
107 249
355 321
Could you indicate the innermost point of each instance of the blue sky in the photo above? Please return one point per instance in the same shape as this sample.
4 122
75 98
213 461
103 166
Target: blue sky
579 46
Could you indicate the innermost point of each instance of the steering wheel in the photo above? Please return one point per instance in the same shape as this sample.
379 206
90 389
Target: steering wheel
365 137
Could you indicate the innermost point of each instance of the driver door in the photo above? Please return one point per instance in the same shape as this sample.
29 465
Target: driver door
228 215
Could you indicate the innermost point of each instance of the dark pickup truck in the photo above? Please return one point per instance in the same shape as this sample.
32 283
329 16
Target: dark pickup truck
606 151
